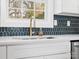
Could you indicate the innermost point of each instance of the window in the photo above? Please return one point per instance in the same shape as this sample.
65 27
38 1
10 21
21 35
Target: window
27 9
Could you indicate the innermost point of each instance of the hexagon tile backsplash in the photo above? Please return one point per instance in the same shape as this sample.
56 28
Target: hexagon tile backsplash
60 29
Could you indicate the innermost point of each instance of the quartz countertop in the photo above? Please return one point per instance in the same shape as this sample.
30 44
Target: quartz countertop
11 40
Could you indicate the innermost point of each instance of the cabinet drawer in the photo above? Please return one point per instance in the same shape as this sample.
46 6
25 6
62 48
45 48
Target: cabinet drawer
26 51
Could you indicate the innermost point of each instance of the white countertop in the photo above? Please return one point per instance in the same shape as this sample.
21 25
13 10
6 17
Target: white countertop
10 40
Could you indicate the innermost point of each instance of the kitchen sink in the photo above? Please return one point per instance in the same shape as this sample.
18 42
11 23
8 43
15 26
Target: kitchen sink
33 38
50 37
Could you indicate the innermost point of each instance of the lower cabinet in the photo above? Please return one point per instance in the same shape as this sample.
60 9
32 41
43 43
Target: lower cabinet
60 50
2 52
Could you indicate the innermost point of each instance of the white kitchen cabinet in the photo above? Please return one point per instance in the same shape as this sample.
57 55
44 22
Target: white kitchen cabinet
59 56
40 50
35 49
2 52
6 21
66 7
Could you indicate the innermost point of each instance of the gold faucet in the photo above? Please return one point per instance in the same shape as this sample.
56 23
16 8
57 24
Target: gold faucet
31 14
31 26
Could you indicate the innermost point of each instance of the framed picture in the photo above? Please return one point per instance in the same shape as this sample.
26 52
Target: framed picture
26 9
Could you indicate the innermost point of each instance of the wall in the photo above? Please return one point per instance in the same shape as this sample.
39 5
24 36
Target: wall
60 29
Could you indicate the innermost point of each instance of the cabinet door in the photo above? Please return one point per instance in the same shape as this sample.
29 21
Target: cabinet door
2 52
24 52
70 6
66 6
59 56
38 49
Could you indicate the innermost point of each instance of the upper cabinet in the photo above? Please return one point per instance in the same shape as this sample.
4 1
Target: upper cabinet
66 7
17 13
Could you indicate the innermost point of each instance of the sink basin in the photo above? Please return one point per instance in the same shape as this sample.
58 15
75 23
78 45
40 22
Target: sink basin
33 38
50 37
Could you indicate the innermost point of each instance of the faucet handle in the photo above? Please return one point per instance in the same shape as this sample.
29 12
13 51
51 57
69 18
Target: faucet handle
40 33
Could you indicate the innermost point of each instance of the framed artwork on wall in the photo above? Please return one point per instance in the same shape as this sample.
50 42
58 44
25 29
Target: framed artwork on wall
26 9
